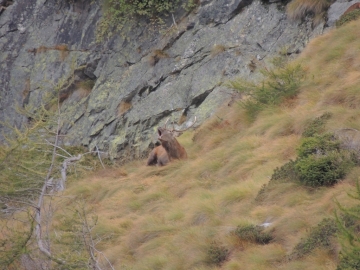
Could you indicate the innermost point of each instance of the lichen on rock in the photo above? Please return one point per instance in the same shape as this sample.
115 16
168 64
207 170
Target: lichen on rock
156 74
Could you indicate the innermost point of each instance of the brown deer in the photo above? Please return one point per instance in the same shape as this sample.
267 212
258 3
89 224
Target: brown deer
169 149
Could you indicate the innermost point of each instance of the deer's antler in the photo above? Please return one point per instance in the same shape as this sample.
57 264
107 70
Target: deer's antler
166 123
173 129
193 123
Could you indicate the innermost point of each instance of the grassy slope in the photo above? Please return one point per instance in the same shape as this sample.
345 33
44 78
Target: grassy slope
167 218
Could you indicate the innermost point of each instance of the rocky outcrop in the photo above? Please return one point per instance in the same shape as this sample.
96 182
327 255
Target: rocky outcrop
115 93
337 9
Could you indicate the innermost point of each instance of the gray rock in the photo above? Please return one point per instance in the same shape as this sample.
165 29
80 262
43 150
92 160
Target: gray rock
220 11
337 9
142 76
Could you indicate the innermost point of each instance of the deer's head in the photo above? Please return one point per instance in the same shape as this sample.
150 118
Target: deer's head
170 148
166 135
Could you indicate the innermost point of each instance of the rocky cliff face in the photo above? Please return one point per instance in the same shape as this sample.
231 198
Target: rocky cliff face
115 93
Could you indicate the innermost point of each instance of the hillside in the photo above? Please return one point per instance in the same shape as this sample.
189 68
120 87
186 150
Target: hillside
186 215
268 178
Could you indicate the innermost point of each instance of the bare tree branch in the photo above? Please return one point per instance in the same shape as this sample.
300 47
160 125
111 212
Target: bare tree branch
38 229
19 202
64 168
97 150
59 146
89 240
101 253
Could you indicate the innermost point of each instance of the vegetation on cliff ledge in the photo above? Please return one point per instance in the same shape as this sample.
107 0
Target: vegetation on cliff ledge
117 13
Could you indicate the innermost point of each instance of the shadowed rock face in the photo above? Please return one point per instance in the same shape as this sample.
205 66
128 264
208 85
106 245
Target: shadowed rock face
138 78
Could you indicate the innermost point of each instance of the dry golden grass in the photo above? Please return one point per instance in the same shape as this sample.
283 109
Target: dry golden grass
80 93
42 49
217 49
123 107
26 90
62 48
156 56
297 9
167 217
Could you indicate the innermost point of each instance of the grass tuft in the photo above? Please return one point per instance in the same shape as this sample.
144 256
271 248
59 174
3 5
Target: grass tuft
298 9
217 253
319 236
253 234
348 17
217 49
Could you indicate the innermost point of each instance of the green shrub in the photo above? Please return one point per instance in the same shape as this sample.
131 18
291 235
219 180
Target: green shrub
298 9
349 261
349 227
319 145
279 83
143 7
319 237
287 172
316 126
252 108
253 234
261 193
86 84
350 218
323 170
320 162
216 253
118 12
283 82
348 17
